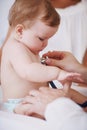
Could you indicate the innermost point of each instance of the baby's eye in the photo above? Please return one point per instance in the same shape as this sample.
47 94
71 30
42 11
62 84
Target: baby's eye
41 39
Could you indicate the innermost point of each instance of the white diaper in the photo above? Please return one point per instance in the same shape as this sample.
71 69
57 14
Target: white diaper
10 104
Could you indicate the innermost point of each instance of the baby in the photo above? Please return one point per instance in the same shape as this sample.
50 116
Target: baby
32 23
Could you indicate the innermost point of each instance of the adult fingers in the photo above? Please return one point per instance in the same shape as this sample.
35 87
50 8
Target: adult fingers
22 108
31 100
34 92
67 86
54 62
54 54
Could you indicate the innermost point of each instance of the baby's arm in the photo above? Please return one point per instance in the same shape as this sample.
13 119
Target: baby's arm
24 66
36 72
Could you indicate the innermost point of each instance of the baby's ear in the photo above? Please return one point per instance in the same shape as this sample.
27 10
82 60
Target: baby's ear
19 31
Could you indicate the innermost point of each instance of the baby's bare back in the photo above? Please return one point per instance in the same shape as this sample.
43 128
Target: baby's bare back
13 85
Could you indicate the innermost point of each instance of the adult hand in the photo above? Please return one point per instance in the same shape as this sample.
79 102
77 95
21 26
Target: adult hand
62 59
65 61
36 102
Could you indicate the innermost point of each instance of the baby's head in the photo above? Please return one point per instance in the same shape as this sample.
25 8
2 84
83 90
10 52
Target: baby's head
26 12
34 22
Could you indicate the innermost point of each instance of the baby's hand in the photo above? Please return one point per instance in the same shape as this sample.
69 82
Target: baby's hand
68 76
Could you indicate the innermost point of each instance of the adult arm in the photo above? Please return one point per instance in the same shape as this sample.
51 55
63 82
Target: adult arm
37 100
61 114
58 110
66 61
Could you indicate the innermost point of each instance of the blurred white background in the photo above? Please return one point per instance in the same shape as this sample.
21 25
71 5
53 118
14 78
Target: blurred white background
4 9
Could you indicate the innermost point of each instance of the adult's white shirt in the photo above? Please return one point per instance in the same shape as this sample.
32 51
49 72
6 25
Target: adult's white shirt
72 32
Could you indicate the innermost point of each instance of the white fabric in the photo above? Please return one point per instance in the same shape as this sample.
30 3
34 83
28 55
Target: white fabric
72 33
10 121
62 114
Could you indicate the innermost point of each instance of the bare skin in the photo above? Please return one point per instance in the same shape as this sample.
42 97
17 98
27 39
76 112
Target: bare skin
36 102
19 83
21 62
64 3
85 64
85 58
61 59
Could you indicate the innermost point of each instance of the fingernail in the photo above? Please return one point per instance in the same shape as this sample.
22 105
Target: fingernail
48 61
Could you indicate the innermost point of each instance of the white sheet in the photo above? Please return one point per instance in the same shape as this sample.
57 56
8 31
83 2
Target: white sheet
9 121
62 114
